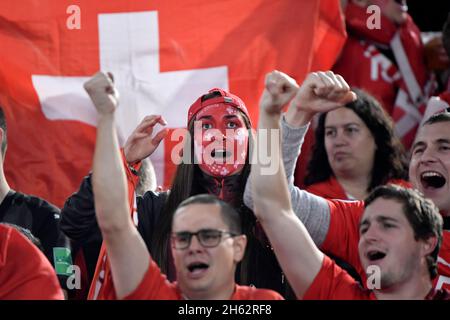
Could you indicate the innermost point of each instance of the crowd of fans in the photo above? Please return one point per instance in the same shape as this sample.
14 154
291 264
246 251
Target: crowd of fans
372 221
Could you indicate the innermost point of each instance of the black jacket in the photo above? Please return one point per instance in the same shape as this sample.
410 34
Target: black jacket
78 222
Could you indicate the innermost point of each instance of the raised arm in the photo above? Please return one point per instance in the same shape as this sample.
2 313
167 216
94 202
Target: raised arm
312 210
78 220
126 250
299 257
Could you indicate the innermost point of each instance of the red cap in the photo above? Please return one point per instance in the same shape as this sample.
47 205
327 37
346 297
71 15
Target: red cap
225 97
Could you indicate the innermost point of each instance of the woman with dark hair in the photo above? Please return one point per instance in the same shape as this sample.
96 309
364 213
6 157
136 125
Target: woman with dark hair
355 151
214 161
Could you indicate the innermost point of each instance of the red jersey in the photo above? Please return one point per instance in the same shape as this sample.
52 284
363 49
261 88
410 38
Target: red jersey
332 189
155 286
25 273
343 237
333 283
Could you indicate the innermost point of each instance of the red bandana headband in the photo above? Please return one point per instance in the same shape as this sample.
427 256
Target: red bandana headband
225 98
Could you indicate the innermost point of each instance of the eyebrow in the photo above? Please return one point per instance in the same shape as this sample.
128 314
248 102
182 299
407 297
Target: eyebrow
231 116
438 141
443 140
418 144
379 219
205 117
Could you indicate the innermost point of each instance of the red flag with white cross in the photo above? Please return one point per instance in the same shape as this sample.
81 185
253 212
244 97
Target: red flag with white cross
163 54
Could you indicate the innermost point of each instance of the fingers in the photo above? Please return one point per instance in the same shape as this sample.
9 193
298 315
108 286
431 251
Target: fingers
149 122
349 97
332 87
159 136
110 76
99 81
280 83
100 89
279 90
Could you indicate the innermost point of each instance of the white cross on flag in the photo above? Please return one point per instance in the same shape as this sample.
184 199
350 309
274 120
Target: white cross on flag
163 54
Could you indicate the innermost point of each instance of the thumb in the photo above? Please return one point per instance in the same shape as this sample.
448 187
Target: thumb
159 136
349 97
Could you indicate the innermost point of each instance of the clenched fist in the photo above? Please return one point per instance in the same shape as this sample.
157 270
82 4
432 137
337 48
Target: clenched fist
320 92
279 90
100 89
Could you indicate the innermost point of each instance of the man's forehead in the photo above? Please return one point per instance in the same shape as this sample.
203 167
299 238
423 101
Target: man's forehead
382 207
201 215
433 132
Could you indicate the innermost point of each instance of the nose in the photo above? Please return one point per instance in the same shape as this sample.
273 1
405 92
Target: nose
219 135
339 139
427 156
370 236
195 244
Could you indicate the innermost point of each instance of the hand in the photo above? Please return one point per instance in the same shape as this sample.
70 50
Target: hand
140 144
279 90
100 89
320 92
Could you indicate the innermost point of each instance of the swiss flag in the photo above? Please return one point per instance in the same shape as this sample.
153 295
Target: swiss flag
164 54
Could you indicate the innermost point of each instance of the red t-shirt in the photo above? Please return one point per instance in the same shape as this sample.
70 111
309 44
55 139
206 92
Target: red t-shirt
333 283
343 237
332 189
155 286
25 273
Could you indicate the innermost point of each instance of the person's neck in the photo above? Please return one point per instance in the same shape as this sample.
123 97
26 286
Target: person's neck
224 294
354 184
417 288
225 188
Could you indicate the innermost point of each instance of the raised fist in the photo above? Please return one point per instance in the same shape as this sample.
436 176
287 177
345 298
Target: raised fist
279 90
100 89
322 92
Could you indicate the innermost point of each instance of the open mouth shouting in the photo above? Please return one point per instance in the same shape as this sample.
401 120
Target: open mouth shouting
220 154
375 255
197 269
432 180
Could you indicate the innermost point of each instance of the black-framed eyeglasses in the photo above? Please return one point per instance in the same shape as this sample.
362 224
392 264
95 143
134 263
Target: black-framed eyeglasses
208 238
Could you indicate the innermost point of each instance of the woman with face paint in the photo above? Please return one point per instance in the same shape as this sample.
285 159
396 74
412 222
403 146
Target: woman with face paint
215 161
218 164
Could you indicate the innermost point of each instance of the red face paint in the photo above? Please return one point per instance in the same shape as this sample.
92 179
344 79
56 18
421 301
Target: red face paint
220 140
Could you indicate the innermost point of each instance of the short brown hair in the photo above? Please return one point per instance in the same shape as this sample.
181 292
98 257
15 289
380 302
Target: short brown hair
422 214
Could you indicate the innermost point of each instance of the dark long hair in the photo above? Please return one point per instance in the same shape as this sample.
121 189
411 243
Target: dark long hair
390 160
185 184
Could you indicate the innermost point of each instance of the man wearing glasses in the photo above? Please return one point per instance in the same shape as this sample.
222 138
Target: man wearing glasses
206 241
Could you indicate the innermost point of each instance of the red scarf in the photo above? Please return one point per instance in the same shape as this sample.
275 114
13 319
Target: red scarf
414 84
